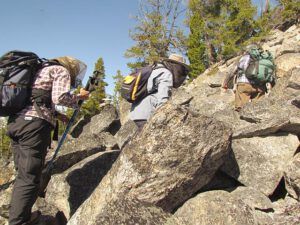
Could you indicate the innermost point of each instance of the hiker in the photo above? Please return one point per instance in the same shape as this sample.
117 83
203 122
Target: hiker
245 88
166 74
30 132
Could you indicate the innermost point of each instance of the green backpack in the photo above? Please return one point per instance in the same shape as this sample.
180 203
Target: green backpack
261 69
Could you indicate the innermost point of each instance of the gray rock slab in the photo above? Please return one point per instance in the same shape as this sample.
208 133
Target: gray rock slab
175 155
102 121
207 100
286 62
125 134
131 212
77 128
74 150
267 117
294 81
68 190
124 109
214 208
252 197
287 212
259 162
292 177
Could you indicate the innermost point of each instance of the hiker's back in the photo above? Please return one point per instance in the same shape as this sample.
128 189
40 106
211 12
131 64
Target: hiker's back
255 72
44 89
159 85
261 68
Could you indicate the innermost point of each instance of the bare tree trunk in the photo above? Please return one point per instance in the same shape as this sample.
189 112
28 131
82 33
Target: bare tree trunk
210 51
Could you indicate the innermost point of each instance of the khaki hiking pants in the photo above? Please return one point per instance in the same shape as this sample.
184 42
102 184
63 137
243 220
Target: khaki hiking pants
244 93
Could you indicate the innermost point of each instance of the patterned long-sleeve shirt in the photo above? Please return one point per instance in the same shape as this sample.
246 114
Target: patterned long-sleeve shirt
57 80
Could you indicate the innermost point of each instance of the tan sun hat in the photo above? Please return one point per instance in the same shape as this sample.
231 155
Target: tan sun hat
76 68
177 59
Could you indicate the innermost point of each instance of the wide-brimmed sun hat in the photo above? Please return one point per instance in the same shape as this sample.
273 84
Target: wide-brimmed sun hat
76 68
177 59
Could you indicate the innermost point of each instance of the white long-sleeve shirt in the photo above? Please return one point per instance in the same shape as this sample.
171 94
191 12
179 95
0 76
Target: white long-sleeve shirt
243 65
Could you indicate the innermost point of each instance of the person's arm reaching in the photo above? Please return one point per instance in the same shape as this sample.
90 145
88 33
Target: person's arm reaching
61 90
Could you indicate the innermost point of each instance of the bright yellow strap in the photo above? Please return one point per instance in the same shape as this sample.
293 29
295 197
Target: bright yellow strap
133 97
128 79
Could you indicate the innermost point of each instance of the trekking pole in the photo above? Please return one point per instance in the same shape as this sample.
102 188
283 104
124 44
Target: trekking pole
46 175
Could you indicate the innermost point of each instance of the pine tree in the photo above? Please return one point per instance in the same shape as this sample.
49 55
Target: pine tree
118 82
291 10
4 140
196 45
239 26
91 106
157 32
219 26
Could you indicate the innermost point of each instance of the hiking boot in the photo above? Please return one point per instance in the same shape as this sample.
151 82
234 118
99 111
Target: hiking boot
34 218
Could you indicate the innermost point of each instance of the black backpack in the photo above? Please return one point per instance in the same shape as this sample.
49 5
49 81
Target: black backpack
134 86
17 73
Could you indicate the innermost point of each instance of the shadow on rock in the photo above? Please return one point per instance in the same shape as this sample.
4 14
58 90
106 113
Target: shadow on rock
231 165
83 181
58 219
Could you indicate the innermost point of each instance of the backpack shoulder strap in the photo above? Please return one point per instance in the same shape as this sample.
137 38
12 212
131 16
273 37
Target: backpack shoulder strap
47 62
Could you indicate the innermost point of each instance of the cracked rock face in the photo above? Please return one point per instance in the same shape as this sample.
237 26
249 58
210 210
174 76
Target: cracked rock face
260 162
68 190
214 207
131 211
175 155
292 177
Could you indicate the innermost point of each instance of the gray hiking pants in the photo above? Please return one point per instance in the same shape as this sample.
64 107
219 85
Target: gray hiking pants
30 139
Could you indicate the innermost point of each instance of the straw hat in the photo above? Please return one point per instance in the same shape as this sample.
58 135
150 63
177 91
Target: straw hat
177 59
76 68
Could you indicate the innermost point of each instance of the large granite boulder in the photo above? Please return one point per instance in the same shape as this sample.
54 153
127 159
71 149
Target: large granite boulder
280 43
259 162
286 62
214 208
267 117
292 177
253 198
75 150
125 134
124 110
131 212
68 190
77 128
107 120
7 172
175 155
286 212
